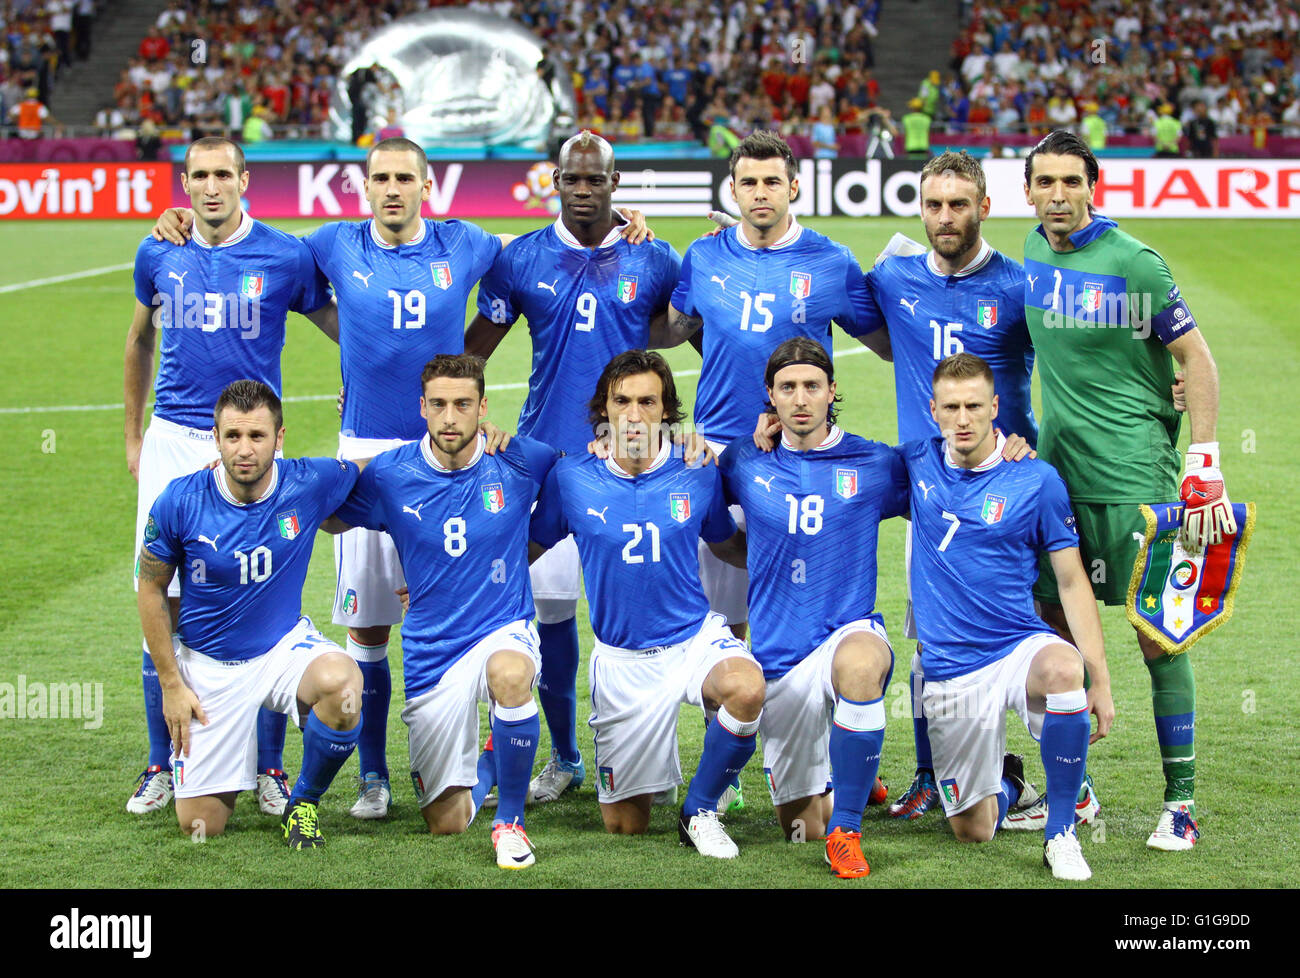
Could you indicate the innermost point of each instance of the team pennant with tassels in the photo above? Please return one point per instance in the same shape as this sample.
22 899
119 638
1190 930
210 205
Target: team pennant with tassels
1175 597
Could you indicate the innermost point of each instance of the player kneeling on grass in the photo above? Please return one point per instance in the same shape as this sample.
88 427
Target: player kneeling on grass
812 509
638 517
978 526
242 536
459 519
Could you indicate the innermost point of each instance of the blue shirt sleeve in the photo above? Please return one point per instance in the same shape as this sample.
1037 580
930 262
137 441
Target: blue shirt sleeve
539 458
362 507
1054 527
717 524
162 537
728 462
486 248
337 478
144 287
313 288
670 273
548 526
321 244
495 293
681 298
872 318
854 319
898 495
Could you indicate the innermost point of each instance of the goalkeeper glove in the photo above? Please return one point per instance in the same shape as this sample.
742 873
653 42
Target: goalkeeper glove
1207 511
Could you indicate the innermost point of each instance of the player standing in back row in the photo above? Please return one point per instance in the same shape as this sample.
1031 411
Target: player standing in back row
1105 315
753 286
220 302
588 295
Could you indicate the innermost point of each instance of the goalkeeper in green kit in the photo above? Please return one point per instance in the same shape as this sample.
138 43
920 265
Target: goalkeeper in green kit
1105 316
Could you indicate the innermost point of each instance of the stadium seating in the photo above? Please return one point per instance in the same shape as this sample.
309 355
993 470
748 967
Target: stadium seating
650 71
1121 59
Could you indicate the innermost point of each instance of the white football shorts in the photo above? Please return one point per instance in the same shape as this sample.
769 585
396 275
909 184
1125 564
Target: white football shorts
368 571
223 755
967 717
557 580
796 721
442 724
636 695
169 451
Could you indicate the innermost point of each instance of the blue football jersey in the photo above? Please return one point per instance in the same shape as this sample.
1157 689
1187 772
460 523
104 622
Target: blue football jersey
584 306
242 565
976 535
399 307
754 299
462 536
932 316
811 522
638 538
221 312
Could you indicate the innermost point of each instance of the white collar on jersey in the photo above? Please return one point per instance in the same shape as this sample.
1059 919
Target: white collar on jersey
833 438
374 236
790 237
982 258
239 234
219 473
568 238
993 459
426 449
665 449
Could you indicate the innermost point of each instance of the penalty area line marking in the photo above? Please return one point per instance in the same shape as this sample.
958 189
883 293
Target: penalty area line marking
308 398
36 283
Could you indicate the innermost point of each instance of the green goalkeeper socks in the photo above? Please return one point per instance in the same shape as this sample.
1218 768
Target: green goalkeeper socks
1173 697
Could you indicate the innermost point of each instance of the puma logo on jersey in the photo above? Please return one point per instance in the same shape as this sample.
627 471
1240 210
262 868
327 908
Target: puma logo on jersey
721 281
920 484
600 515
550 288
210 542
1031 279
765 483
910 306
415 512
365 279
180 278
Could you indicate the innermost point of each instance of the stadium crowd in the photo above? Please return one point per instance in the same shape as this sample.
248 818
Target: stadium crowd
1118 65
39 41
639 70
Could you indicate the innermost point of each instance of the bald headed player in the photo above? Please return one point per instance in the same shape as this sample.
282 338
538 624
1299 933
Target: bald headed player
588 295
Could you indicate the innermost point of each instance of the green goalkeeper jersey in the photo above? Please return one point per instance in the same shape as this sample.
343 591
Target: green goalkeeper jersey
1099 318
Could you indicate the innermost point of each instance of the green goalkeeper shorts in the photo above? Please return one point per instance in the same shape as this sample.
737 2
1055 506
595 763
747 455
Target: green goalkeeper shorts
1107 547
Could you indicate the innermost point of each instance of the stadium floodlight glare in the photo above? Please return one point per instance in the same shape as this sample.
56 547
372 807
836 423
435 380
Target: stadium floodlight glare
462 78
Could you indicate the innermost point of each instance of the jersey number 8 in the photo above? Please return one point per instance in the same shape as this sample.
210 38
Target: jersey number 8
453 536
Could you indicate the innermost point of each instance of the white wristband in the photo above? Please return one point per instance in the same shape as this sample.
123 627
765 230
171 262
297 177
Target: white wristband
1203 455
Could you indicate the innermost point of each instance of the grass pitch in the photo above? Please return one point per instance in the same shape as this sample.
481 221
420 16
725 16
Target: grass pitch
65 559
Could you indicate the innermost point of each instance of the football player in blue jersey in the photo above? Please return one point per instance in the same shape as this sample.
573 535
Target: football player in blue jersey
962 295
241 536
220 303
638 517
587 294
402 282
459 520
978 528
812 508
751 287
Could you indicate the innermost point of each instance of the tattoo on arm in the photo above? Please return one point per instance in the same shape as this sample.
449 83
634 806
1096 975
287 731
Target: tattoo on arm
153 570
